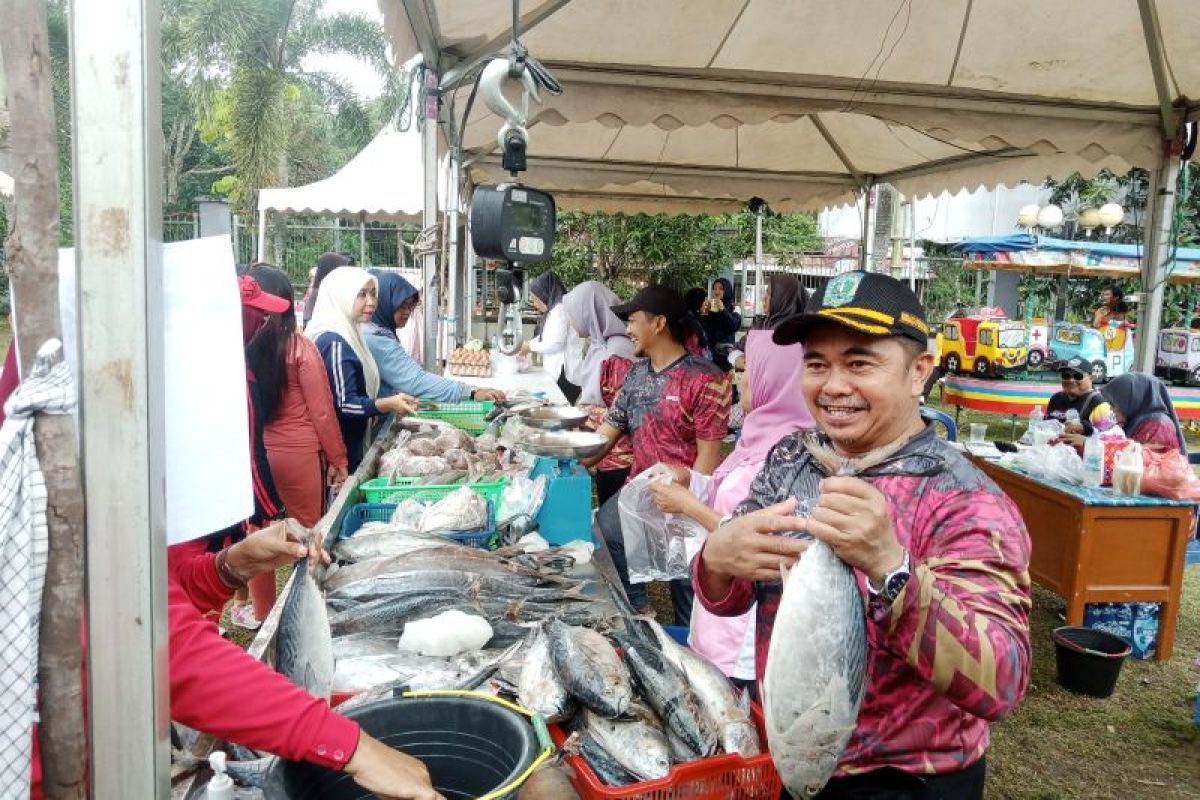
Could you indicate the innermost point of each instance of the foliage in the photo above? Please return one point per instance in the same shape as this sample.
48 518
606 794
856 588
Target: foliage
625 251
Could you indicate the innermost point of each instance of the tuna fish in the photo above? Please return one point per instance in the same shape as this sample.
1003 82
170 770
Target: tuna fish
816 670
304 644
638 746
667 691
590 668
539 687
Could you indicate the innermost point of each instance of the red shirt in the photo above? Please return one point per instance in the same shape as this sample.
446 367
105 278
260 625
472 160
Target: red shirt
305 419
665 412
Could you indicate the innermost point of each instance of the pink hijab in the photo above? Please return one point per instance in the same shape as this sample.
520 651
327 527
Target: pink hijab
778 406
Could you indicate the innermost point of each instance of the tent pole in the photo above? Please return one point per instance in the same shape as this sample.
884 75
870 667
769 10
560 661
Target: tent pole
1155 268
868 226
452 255
262 233
362 240
912 243
429 215
758 265
118 216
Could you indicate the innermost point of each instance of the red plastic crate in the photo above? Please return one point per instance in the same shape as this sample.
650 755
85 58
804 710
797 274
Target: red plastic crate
723 777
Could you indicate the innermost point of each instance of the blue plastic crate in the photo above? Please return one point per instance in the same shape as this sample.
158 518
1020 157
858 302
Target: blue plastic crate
677 632
362 513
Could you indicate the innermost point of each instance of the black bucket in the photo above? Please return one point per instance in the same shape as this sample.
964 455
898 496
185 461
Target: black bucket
470 745
1089 660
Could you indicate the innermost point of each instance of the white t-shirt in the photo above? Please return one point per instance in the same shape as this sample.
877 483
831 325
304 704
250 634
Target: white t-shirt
558 345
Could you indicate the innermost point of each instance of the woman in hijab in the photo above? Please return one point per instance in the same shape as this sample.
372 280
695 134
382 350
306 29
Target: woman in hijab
1142 406
775 407
696 342
601 371
326 263
398 371
721 322
304 444
347 298
785 297
552 337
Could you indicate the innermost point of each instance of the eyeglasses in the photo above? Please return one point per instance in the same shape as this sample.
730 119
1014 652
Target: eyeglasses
1072 376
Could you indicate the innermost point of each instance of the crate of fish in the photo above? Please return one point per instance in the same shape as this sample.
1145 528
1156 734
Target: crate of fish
362 513
383 490
469 415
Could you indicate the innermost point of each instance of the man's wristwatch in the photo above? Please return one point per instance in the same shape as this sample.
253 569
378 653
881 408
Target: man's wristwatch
893 583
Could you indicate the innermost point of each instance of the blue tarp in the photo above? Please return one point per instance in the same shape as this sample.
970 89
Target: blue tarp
1028 241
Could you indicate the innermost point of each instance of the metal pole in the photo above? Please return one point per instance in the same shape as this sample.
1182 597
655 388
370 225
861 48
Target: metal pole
912 243
363 261
868 225
758 262
118 233
452 256
1156 266
262 233
429 217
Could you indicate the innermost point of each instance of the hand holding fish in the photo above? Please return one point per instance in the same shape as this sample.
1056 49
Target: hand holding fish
852 518
265 550
390 774
748 547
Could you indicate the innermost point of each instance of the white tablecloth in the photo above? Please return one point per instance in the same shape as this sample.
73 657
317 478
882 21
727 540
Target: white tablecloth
535 381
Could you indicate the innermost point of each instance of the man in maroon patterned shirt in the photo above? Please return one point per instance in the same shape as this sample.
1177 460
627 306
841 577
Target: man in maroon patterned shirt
675 408
941 554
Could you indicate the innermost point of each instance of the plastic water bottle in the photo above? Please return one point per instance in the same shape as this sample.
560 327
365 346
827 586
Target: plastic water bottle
1072 416
1035 417
1093 461
220 787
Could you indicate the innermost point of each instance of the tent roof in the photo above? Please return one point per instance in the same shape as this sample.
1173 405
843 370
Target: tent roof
683 106
384 181
6 184
1024 252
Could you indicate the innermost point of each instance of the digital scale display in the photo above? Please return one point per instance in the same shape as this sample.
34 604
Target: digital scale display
512 223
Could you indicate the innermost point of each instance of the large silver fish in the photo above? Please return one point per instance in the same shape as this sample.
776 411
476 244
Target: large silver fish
816 670
538 686
304 644
667 691
590 668
637 745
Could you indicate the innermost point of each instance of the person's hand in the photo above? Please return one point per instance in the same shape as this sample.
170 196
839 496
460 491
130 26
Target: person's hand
671 497
739 363
265 550
1073 439
851 516
523 350
400 404
490 394
749 547
680 474
335 476
1073 427
388 773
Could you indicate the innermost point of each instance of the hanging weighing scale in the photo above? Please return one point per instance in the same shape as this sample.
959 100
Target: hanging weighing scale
566 513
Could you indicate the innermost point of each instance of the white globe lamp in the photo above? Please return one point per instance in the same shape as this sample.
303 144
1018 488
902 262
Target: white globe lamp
1111 214
1089 218
1050 216
1027 216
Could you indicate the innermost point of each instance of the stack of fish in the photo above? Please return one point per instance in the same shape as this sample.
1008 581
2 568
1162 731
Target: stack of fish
636 712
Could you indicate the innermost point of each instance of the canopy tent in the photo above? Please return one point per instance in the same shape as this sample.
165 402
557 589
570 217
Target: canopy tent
1045 255
383 182
6 184
683 106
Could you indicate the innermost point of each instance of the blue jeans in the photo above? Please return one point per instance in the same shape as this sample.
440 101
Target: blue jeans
608 518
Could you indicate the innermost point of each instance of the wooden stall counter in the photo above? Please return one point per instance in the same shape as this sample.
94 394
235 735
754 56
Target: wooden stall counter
1091 546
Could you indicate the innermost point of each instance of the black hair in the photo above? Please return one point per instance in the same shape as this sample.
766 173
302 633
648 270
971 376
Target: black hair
1121 307
267 352
682 327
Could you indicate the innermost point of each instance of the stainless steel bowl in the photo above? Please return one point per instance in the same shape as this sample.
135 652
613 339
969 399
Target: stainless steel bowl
553 418
563 444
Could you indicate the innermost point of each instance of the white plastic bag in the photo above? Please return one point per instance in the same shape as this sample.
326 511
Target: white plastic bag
1128 471
656 542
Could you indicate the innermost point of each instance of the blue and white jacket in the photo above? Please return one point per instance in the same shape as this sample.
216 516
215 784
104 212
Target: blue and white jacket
350 399
400 372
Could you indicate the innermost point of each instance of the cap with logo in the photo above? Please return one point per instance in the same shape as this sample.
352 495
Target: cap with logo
867 302
658 300
254 297
1075 364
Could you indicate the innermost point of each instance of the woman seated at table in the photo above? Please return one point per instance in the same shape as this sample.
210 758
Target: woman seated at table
1142 407
775 407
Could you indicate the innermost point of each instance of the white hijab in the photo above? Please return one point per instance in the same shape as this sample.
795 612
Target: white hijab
334 314
589 311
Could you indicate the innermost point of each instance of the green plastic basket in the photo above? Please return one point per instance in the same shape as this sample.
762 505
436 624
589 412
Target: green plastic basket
378 490
467 415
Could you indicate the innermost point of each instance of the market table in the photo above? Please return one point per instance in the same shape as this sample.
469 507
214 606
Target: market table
1020 397
1091 546
534 381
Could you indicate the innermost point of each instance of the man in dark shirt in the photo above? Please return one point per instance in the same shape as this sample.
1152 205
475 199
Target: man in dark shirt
675 408
1078 395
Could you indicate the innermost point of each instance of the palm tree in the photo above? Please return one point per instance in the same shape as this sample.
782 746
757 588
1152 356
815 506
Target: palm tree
244 62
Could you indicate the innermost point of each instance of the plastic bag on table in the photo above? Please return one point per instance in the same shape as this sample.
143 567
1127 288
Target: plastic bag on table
1168 474
409 514
1062 463
655 541
1128 470
461 510
522 497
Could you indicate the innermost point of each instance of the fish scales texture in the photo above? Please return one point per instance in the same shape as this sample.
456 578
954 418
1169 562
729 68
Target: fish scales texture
590 668
667 691
816 671
538 686
636 745
607 768
304 644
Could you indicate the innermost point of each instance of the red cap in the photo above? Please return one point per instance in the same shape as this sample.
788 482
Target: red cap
254 297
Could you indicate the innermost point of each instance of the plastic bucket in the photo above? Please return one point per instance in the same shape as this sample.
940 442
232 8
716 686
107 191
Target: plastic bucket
472 746
1088 660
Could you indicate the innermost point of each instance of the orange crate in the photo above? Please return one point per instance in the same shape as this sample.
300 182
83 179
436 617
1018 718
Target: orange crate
723 777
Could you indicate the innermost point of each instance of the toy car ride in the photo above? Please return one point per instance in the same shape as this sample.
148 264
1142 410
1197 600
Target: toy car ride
1110 352
1178 356
986 346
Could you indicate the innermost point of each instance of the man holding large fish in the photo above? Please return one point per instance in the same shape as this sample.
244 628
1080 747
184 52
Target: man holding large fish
878 681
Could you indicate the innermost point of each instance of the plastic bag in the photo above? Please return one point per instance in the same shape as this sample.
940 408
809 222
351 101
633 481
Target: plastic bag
1168 474
1057 462
461 510
1128 471
656 542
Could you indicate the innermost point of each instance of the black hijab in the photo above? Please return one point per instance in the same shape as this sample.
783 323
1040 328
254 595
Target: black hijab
548 288
788 298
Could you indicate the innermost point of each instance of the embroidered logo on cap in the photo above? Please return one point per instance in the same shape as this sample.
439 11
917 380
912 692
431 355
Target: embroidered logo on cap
841 290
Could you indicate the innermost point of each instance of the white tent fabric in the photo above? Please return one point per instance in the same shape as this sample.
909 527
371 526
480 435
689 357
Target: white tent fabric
679 105
6 184
385 182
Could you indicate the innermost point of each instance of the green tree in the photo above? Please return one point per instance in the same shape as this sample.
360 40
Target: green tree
244 62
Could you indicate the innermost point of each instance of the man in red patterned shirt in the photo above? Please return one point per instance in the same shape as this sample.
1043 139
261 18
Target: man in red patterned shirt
941 554
674 407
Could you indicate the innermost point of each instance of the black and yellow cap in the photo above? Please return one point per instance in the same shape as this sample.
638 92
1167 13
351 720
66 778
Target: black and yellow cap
867 302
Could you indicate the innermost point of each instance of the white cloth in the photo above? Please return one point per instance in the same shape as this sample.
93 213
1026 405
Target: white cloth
558 345
50 389
334 313
412 335
586 374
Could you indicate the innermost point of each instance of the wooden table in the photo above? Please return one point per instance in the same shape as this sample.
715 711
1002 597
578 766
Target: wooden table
1090 546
